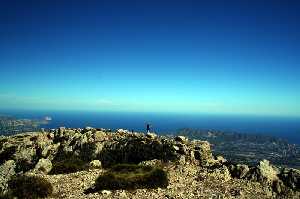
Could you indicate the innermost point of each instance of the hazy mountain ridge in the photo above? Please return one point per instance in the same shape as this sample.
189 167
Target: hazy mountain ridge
10 125
248 148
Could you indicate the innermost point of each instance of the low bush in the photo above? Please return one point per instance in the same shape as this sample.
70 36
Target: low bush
69 165
24 165
4 196
2 141
130 176
7 153
29 187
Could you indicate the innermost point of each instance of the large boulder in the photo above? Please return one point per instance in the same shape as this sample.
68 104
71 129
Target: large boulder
221 174
181 139
43 166
7 170
202 153
239 170
151 135
264 172
95 164
25 153
99 136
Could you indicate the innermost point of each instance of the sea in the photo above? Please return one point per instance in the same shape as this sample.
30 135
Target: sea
168 123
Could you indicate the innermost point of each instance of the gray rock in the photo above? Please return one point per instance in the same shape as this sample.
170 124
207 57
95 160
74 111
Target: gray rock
7 170
238 171
183 150
221 173
99 136
61 130
266 174
95 164
151 135
181 139
221 159
25 153
51 135
43 165
153 162
203 153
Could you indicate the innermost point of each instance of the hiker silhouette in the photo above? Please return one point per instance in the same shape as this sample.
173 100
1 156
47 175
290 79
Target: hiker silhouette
148 127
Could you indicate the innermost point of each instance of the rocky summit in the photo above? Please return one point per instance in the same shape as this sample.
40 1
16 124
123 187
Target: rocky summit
72 159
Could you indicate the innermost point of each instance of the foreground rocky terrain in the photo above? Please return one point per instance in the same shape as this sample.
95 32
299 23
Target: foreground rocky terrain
193 171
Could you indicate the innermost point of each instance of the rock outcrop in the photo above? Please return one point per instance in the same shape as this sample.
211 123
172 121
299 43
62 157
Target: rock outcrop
100 148
7 170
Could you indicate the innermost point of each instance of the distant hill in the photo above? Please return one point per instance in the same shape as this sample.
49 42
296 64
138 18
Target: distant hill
10 125
248 148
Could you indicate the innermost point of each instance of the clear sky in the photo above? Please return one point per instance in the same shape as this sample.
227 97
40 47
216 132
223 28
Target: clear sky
228 57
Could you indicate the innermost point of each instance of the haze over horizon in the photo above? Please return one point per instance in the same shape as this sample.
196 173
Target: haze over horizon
217 57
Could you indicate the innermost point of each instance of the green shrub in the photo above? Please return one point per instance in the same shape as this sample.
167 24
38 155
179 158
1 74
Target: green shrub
29 187
4 196
7 154
87 152
128 176
69 165
24 165
2 141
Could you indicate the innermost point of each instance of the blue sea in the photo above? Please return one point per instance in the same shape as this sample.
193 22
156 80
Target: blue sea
168 123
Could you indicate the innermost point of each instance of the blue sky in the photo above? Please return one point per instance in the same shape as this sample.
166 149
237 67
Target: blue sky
222 57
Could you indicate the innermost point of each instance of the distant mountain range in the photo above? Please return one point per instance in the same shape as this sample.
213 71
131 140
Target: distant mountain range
248 148
10 125
235 147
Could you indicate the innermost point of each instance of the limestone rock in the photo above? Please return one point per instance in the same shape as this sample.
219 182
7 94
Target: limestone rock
221 173
24 153
106 192
151 135
99 136
181 139
51 135
264 173
267 171
95 164
43 165
61 130
203 153
7 170
221 159
182 148
153 162
239 171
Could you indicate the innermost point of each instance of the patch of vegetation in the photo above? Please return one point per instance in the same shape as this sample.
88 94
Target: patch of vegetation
29 187
24 165
131 176
2 141
5 196
7 154
135 150
34 138
87 151
69 165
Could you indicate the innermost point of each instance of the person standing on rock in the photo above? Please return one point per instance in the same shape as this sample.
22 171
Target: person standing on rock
148 128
